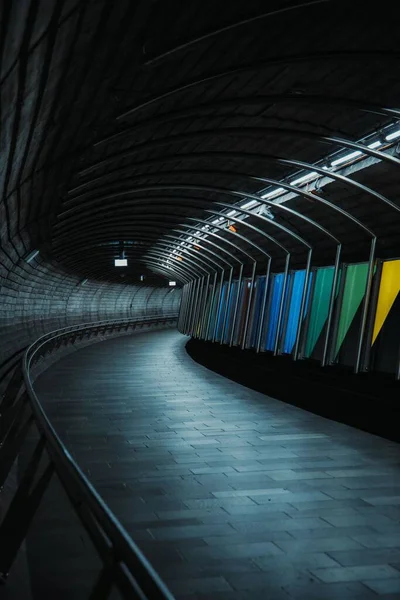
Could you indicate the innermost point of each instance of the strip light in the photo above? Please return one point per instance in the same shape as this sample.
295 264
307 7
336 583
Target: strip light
393 135
273 193
344 159
249 204
304 178
300 180
31 256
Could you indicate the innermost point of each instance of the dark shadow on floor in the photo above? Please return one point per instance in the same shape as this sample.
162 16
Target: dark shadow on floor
368 401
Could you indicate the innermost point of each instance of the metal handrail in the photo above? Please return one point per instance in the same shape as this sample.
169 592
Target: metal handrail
124 565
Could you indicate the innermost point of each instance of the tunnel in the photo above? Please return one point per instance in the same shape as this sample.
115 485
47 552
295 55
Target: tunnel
199 300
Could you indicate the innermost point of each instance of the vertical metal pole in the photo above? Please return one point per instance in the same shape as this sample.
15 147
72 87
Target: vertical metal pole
198 309
264 306
228 296
236 305
280 314
181 307
246 323
218 304
194 308
189 314
397 374
186 307
302 306
201 303
187 286
204 308
211 304
365 304
331 305
198 285
366 358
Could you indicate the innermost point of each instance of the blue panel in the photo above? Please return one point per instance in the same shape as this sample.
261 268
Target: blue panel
292 324
221 312
231 308
213 315
273 313
259 295
240 312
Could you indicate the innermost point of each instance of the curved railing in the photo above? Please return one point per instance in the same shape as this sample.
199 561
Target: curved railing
123 564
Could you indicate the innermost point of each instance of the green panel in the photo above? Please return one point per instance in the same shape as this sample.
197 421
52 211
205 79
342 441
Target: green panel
354 290
319 307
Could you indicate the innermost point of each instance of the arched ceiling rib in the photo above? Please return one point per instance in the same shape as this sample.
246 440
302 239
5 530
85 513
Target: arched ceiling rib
133 126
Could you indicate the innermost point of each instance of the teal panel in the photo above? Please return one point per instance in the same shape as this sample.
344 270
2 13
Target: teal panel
354 290
319 307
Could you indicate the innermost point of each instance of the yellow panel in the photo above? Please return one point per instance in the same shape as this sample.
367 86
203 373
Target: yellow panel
388 290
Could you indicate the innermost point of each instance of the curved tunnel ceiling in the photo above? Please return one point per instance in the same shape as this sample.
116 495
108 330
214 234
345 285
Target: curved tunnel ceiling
133 126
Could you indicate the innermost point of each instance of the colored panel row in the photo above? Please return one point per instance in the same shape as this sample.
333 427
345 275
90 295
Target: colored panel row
295 314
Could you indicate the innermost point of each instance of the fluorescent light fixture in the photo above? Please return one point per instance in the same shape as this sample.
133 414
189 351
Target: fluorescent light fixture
172 283
83 281
375 145
231 213
31 256
304 178
120 262
142 278
393 135
346 158
274 193
218 220
250 204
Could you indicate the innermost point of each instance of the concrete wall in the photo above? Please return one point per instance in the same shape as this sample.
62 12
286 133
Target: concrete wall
38 296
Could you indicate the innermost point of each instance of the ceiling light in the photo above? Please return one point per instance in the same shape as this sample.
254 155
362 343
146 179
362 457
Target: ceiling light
250 204
274 193
346 158
304 178
178 257
232 228
393 135
120 262
31 256
375 145
172 283
231 213
142 278
196 247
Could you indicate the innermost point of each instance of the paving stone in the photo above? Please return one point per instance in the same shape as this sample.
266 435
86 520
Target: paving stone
230 494
384 586
356 573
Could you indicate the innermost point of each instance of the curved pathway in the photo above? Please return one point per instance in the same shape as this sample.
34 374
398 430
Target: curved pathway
229 493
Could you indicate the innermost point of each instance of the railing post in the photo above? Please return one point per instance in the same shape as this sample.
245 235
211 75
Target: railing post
22 509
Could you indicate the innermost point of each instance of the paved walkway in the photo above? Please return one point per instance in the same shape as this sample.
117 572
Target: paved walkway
229 493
